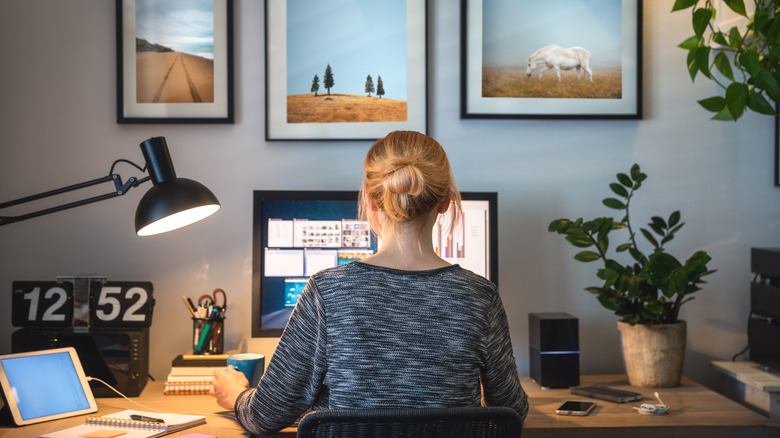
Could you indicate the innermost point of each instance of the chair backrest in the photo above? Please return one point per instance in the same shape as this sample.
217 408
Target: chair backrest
477 422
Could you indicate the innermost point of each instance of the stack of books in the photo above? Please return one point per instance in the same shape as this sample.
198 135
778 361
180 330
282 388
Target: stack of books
193 374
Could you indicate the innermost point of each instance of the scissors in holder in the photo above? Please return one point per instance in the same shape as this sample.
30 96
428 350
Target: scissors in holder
211 300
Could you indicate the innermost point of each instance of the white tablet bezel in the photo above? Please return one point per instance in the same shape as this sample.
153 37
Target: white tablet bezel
11 402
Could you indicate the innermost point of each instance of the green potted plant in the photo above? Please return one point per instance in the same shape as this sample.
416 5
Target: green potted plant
647 291
747 59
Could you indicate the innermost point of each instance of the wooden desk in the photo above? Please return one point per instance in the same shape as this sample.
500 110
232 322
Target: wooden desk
696 412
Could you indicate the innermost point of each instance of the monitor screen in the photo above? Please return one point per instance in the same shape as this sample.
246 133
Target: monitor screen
298 233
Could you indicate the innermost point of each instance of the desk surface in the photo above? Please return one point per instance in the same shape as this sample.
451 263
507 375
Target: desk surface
695 411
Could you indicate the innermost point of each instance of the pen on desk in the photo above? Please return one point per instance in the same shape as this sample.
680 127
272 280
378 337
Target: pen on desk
143 418
188 303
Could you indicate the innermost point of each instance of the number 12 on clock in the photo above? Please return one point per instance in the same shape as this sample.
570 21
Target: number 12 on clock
41 304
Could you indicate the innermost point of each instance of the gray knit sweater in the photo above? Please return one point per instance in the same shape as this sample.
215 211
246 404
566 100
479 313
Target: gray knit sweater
363 336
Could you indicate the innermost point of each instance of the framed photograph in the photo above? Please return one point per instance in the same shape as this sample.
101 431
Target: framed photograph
346 70
552 59
174 61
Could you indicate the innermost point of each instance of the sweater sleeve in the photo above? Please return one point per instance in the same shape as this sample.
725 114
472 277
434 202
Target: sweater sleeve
294 376
500 381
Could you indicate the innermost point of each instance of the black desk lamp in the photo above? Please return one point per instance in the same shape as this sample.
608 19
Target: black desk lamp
170 204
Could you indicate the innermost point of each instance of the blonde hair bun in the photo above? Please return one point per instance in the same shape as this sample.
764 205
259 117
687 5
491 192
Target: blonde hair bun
407 176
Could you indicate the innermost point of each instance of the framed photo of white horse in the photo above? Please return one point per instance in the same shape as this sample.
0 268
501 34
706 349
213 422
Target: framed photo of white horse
551 59
346 70
174 61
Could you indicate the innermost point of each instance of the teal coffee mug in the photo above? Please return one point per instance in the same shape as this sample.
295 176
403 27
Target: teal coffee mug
251 364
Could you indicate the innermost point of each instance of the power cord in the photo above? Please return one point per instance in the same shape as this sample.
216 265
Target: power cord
648 409
89 379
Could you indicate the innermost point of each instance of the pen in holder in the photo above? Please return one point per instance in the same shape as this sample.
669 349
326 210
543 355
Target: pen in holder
207 335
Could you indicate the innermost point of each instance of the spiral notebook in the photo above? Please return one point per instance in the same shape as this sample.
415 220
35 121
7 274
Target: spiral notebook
120 425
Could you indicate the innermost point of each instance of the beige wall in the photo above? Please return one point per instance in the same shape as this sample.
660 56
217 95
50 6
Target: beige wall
58 126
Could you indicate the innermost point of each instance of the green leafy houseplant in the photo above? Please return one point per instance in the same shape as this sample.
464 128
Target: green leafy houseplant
651 289
747 59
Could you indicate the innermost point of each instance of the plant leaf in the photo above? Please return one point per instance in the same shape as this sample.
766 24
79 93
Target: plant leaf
737 6
674 219
579 240
649 237
735 38
692 42
614 203
625 180
723 115
717 37
659 222
723 64
693 69
714 104
750 61
559 226
756 102
703 60
635 172
736 99
619 190
586 256
768 83
683 4
701 18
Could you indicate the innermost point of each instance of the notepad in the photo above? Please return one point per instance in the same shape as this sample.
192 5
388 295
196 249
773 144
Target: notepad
120 425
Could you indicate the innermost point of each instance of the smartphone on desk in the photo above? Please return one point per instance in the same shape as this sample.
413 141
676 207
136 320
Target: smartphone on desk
571 407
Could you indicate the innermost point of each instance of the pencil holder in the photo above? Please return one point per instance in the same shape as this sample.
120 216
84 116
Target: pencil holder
207 335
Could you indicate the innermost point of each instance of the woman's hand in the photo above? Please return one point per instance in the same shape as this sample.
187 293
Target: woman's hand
227 386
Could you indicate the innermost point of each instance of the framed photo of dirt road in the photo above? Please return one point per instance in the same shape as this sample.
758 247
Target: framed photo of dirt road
552 59
174 61
347 70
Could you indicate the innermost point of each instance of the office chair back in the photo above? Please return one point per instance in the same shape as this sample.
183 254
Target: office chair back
467 422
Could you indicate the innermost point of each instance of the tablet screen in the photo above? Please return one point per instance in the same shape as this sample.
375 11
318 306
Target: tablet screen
45 385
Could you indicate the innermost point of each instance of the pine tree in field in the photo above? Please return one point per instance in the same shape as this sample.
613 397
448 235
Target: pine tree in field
328 79
315 85
369 85
380 88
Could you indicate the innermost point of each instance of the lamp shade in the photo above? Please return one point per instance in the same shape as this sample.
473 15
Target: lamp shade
173 204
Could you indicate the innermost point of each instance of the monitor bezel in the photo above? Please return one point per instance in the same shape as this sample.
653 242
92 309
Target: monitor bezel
339 195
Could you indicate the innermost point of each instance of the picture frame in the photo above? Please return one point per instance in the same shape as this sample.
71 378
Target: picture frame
318 44
174 61
505 48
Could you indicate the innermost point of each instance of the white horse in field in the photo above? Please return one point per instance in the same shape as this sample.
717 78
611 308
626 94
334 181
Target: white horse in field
557 58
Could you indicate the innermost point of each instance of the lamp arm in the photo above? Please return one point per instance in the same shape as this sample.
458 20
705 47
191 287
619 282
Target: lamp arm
120 189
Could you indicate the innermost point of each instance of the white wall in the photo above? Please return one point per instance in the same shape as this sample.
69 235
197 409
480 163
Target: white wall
58 127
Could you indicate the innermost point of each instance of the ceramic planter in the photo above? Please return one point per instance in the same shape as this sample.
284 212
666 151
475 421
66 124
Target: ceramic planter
653 354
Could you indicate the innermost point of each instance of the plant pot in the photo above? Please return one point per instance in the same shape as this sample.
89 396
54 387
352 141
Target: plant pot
653 354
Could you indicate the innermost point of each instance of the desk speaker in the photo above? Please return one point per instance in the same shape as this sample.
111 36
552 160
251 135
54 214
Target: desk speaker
554 349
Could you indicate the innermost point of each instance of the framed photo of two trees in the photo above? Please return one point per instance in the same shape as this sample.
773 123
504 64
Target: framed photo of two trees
551 59
344 70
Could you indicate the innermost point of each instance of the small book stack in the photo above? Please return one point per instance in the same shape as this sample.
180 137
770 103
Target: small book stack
193 374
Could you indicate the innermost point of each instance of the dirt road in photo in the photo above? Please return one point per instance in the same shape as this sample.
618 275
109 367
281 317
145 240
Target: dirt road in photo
173 77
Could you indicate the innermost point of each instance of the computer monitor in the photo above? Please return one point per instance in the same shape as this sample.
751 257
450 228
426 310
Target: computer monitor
298 233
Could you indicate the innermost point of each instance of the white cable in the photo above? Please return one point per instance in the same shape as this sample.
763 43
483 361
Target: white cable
153 409
648 409
123 396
